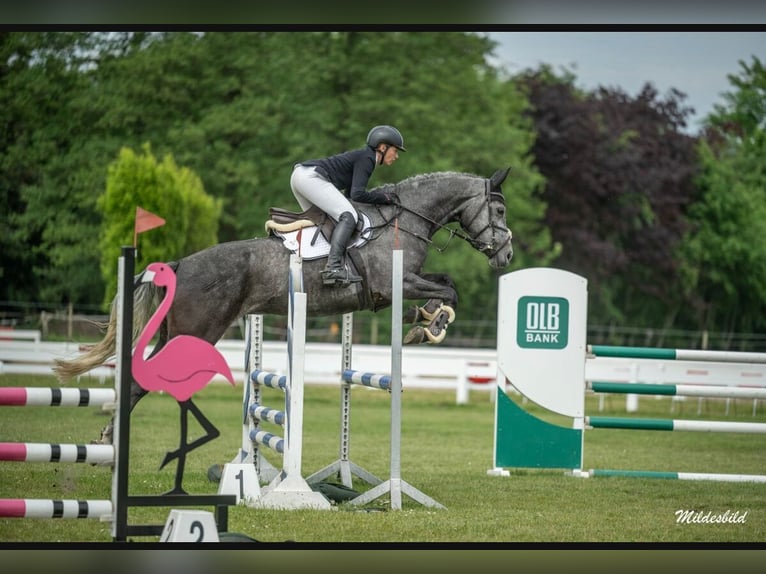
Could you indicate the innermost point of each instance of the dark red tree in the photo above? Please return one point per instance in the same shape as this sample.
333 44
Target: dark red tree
619 176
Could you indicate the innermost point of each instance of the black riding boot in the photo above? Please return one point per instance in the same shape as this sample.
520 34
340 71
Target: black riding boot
336 271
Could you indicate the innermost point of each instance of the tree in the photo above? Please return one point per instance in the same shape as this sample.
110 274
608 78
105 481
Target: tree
163 188
724 254
619 174
40 76
240 109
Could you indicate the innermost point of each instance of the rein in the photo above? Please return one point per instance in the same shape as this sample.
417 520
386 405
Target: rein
488 248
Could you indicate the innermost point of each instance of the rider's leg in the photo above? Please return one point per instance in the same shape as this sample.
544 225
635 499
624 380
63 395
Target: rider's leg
310 188
336 271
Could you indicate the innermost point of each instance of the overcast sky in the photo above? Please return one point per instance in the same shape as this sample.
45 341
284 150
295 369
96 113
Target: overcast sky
696 63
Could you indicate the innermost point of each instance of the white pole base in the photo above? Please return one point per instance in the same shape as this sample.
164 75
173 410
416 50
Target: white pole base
292 493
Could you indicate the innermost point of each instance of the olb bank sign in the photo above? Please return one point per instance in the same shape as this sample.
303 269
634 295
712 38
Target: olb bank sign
543 322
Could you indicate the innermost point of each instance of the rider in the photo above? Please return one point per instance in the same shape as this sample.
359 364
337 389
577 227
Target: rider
327 183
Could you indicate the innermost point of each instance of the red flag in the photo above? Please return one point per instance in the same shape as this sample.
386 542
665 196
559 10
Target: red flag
145 220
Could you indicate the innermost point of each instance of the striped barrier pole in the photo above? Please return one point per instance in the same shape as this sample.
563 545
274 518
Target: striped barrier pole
55 397
675 354
680 390
268 414
271 380
41 508
676 475
274 442
43 452
367 379
673 425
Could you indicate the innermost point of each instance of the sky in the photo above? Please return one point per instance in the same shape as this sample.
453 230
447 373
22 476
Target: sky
696 63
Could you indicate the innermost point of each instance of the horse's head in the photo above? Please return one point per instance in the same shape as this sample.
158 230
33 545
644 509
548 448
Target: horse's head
476 203
483 219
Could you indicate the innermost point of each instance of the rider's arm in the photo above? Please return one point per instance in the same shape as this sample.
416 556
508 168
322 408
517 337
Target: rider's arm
362 171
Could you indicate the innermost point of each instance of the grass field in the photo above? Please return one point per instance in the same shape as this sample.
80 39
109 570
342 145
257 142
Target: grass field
446 451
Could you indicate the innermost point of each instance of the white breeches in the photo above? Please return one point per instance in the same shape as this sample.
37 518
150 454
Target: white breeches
310 188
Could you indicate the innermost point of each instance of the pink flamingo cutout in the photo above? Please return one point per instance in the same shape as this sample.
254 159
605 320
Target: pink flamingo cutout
185 364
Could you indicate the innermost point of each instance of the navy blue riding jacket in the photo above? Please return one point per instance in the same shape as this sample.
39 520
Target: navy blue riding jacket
349 172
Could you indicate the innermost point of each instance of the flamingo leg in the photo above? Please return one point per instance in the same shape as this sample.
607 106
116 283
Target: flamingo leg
186 447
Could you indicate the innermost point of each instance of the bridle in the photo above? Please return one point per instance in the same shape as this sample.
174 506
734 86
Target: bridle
489 249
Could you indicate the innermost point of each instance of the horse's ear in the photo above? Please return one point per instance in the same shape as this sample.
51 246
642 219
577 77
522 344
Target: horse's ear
498 177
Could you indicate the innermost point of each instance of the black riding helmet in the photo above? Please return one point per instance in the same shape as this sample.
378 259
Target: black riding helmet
387 135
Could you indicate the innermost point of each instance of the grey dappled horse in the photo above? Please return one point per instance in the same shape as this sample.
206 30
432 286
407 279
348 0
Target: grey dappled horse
219 284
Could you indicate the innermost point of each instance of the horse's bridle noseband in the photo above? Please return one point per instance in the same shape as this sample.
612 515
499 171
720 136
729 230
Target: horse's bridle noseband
489 249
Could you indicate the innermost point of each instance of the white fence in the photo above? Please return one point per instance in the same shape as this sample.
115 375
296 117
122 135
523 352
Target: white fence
423 367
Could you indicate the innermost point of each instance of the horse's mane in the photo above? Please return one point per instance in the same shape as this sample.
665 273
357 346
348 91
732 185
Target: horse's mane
414 179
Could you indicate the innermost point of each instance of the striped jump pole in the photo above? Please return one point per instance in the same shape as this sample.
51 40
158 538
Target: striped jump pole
675 475
675 354
255 377
367 379
56 397
43 452
40 508
709 391
274 442
268 414
673 425
267 439
271 380
101 454
260 413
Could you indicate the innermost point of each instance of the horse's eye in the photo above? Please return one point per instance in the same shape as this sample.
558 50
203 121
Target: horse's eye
500 210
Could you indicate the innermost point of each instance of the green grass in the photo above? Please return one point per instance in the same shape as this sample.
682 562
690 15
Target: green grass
446 451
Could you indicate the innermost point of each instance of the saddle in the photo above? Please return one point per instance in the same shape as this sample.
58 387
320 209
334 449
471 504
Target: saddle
285 221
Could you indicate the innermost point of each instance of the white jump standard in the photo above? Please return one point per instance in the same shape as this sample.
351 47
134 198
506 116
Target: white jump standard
395 486
287 489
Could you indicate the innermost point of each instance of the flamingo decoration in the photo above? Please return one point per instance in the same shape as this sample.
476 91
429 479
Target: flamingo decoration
184 365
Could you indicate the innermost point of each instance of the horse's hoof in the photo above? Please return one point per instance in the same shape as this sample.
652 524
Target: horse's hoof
412 315
415 336
450 313
434 338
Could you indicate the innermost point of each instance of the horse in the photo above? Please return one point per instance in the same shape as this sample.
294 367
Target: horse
220 284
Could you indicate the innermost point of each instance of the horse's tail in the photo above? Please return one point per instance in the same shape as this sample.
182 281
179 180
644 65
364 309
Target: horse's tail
145 299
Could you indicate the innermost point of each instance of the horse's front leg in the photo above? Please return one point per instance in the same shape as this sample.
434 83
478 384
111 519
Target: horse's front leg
436 314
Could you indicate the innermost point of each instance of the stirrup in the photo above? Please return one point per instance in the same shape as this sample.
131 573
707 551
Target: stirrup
339 276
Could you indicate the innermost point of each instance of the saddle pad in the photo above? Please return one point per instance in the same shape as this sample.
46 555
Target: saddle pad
321 247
